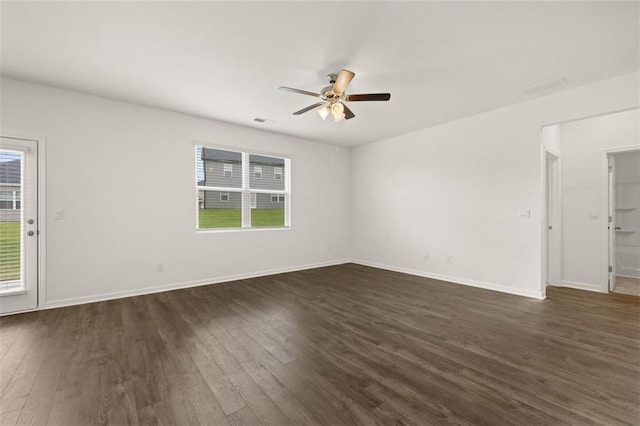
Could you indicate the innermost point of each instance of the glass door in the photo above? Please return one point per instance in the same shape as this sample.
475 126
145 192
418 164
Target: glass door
18 225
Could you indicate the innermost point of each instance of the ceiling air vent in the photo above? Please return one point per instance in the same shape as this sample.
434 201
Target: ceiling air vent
546 86
264 120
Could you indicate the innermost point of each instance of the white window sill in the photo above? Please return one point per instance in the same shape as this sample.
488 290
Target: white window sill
222 230
13 291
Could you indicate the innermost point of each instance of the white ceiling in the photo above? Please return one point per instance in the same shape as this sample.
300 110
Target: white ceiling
441 61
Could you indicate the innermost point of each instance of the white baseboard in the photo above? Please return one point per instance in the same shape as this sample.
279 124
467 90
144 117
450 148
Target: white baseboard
633 275
580 286
456 280
176 286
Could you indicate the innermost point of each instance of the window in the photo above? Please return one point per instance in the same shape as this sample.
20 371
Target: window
9 200
228 170
241 199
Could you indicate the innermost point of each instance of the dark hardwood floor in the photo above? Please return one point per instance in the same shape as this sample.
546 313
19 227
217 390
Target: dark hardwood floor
343 345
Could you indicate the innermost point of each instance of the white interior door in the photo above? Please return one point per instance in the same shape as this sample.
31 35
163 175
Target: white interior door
552 223
612 223
18 225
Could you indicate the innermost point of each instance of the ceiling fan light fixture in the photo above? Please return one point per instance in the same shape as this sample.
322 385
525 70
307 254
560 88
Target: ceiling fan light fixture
337 110
324 111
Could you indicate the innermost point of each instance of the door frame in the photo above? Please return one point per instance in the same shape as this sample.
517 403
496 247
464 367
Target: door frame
551 247
604 211
40 140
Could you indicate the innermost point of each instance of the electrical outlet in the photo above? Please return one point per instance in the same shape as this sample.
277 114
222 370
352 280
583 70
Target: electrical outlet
160 267
449 260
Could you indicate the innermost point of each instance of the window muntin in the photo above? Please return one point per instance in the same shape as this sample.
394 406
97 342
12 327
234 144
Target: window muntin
244 199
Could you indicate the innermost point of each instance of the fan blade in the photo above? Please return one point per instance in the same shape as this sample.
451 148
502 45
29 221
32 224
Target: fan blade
309 108
368 97
302 92
348 114
342 81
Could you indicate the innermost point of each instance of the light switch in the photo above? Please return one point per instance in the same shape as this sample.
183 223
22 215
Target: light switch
524 213
58 214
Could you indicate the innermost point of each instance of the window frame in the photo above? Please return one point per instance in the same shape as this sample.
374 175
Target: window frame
245 189
256 171
277 173
224 194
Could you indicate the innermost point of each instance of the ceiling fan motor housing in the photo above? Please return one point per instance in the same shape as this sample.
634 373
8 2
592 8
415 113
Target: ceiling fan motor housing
327 92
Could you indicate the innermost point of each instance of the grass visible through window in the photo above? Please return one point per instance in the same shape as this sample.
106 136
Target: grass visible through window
231 218
267 217
9 251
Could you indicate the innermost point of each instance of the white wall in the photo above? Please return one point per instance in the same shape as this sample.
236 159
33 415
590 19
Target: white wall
124 175
454 190
582 144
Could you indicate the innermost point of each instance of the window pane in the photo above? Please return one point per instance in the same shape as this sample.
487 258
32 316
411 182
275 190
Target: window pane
217 167
10 240
215 213
268 213
263 175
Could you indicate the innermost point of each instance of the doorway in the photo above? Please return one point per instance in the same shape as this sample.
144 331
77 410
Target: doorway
19 233
551 227
624 222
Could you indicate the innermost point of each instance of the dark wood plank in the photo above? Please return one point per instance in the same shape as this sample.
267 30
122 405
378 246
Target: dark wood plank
338 345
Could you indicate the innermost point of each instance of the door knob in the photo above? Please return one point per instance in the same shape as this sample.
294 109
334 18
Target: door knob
618 228
30 233
30 221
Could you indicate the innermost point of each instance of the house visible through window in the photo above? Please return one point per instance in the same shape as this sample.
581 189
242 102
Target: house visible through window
228 170
256 198
10 200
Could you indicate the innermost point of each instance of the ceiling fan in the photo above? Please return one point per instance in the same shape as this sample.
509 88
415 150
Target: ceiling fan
333 97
